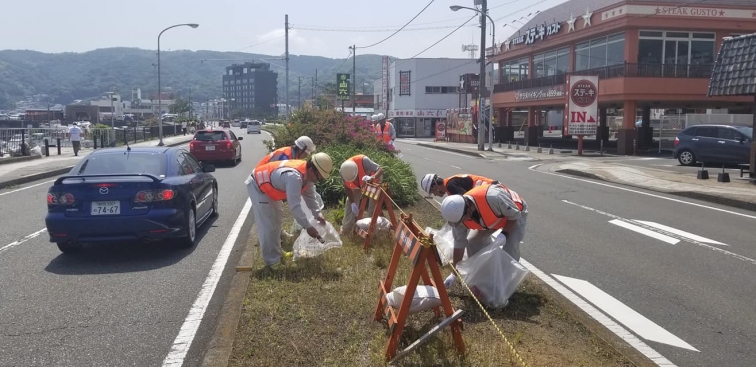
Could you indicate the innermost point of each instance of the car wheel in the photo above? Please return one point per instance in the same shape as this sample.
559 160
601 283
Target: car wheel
215 202
686 158
69 247
191 230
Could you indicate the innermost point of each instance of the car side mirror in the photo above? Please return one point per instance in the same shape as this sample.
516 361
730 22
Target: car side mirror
240 138
208 168
740 139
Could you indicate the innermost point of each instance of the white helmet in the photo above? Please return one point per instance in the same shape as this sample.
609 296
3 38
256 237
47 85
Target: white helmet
378 117
348 170
305 143
323 163
427 182
453 208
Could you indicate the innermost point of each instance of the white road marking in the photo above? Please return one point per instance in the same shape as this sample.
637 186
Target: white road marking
633 320
16 243
27 187
599 316
444 151
680 233
641 230
532 168
455 167
192 322
689 240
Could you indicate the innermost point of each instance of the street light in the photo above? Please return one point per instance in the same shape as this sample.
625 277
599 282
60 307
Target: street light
160 94
480 103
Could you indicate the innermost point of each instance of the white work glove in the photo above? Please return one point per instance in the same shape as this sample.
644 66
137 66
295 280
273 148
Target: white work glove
450 280
501 239
355 209
367 178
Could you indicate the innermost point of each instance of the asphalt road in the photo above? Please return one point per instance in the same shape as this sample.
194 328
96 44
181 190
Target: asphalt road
665 162
111 305
702 293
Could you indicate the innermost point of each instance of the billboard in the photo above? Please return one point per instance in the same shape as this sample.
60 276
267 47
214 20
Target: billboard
404 83
384 89
343 83
582 105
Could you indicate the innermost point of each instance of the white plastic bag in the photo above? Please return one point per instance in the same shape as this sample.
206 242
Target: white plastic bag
492 275
295 227
36 151
444 240
426 297
306 246
381 224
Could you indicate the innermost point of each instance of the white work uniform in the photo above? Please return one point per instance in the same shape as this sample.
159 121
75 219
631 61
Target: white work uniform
347 225
269 213
392 130
501 203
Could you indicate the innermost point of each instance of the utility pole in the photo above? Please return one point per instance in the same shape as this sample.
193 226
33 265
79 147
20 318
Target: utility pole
354 77
299 94
482 78
287 66
312 93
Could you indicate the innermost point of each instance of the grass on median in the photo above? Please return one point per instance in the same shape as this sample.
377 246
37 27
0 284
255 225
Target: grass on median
319 311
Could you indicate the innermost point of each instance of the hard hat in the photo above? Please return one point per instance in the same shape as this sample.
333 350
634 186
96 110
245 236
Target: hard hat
378 117
305 143
427 182
348 170
323 164
453 208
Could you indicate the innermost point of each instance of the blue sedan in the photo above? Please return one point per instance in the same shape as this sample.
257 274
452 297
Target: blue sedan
120 194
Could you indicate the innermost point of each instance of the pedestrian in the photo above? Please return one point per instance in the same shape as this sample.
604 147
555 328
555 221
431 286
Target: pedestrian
356 172
183 127
75 136
486 209
383 129
301 148
290 180
452 185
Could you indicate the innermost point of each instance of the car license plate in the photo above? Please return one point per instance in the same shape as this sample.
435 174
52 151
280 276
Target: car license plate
106 207
210 147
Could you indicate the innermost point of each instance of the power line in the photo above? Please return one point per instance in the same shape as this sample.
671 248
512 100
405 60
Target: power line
259 43
445 37
398 30
345 60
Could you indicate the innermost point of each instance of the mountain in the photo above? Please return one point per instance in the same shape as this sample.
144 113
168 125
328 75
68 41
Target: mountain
65 77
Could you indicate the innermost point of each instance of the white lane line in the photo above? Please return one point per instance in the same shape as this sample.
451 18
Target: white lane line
192 322
633 320
532 168
455 167
27 187
599 316
16 243
441 150
641 230
680 233
689 240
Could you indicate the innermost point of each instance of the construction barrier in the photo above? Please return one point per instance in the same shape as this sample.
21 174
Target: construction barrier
420 249
377 193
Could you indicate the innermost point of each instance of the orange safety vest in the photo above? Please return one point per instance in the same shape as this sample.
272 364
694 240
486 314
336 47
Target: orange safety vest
357 183
477 180
385 134
262 177
487 216
280 151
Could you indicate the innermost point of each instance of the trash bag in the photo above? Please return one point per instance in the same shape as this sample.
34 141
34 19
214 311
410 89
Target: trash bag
426 297
445 242
306 246
492 275
36 151
381 224
295 227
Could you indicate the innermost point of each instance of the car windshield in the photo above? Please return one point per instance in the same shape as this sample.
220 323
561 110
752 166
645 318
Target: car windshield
210 136
748 131
255 123
111 163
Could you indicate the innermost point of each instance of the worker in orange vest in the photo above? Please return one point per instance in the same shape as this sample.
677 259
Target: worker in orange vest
384 130
301 148
290 180
355 173
453 185
486 208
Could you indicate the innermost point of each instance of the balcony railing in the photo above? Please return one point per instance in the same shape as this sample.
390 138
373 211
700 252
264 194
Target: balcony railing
615 71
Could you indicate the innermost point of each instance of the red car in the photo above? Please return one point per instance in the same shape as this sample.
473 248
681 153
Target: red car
216 145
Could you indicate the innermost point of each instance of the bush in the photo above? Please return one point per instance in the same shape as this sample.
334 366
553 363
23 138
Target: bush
329 127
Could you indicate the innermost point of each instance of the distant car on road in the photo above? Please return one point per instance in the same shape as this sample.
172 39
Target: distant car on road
145 193
253 127
724 144
216 145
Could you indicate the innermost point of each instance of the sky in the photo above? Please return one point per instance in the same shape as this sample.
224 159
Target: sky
317 27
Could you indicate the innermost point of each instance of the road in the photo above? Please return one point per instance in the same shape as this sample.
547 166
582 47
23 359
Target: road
676 273
665 162
117 305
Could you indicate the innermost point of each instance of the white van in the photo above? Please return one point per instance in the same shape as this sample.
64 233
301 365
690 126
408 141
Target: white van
253 127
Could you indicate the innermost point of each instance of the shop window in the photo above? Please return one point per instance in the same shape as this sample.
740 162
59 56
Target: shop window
583 56
512 71
551 63
441 90
600 52
650 51
676 48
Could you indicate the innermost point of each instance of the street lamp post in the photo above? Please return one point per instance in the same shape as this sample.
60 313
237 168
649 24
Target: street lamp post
160 96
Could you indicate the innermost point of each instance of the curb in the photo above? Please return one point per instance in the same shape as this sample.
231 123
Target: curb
595 327
48 174
455 150
18 159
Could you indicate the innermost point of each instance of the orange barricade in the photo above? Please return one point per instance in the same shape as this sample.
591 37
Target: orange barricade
376 192
421 250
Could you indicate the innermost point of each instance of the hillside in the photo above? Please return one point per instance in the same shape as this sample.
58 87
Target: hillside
69 76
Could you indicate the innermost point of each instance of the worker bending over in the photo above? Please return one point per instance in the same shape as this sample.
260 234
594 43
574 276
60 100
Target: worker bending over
301 148
356 172
453 185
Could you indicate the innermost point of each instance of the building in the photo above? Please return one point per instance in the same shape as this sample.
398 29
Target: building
107 107
420 93
251 89
44 114
647 55
81 112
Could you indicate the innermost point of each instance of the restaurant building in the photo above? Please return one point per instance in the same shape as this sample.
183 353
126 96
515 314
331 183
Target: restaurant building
647 55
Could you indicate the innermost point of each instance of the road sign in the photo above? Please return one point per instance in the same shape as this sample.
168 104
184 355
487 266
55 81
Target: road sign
582 102
343 81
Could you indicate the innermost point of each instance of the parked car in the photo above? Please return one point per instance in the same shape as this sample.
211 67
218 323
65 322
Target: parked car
216 145
253 127
225 125
724 144
144 193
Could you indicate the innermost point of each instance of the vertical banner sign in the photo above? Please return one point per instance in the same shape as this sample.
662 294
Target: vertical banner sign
441 130
582 102
384 89
404 83
343 83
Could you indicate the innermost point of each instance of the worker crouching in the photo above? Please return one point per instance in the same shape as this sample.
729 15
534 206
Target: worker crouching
356 172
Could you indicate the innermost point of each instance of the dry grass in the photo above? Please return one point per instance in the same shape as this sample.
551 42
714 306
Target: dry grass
319 312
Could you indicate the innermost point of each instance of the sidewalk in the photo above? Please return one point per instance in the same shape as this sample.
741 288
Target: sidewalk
32 169
516 151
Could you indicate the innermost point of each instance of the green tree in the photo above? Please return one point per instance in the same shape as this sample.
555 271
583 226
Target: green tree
180 106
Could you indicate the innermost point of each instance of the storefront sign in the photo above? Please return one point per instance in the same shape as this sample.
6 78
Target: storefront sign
384 84
536 94
440 131
582 102
537 33
343 82
404 83
418 113
678 11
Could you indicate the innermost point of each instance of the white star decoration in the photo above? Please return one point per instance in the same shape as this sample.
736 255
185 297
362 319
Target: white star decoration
571 23
507 44
587 18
